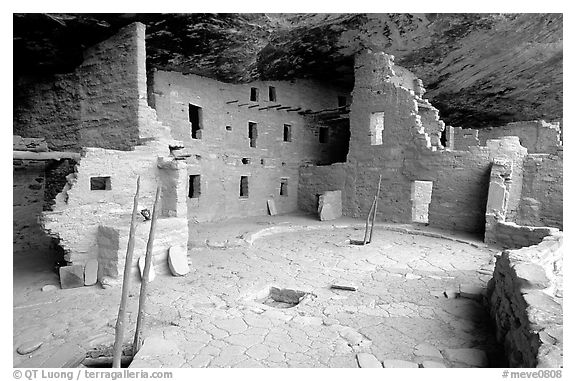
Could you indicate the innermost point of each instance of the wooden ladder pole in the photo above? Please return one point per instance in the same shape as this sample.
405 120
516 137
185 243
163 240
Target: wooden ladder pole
375 208
119 338
144 283
366 229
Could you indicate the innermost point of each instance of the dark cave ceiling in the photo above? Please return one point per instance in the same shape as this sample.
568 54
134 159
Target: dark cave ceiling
478 69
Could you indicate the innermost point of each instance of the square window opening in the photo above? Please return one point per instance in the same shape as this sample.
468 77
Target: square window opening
254 93
272 93
323 134
195 118
245 160
194 189
252 133
100 183
244 187
283 187
228 128
287 133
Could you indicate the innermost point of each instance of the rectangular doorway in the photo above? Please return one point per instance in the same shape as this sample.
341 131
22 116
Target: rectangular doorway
421 196
195 118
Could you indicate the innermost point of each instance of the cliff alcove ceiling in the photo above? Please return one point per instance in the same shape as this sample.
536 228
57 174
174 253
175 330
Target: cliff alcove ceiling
479 69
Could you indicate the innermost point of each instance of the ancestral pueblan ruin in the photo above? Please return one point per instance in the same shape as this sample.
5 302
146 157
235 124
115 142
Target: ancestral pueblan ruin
314 208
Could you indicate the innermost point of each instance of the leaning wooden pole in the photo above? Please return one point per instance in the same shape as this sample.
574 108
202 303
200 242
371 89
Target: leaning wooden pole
375 208
144 284
118 340
367 227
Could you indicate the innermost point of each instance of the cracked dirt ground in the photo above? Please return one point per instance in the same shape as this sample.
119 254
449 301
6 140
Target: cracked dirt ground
214 317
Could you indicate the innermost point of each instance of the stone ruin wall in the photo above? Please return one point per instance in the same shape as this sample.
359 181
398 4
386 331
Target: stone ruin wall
525 297
218 155
538 201
94 224
410 151
92 107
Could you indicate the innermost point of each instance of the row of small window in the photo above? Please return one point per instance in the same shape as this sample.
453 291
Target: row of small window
195 117
195 187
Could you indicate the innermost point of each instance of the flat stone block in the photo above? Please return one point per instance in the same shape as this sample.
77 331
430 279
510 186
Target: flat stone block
91 272
72 276
29 347
272 208
178 261
399 364
49 287
469 356
368 360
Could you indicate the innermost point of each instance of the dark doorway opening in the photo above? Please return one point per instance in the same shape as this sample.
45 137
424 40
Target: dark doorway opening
195 118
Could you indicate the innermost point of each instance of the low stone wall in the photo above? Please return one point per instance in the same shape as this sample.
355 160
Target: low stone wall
509 235
525 297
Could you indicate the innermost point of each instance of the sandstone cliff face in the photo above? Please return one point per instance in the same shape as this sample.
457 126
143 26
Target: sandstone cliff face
479 69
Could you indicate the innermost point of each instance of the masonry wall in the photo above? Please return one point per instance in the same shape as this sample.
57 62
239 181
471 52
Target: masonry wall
537 136
409 151
95 106
223 153
28 197
525 299
541 201
93 223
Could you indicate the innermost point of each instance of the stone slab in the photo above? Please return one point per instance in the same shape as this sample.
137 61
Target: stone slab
91 272
72 276
469 356
272 208
330 205
178 261
29 347
368 360
399 364
49 287
141 264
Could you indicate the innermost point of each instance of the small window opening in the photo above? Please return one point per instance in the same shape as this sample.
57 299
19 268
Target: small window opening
194 186
228 128
287 133
254 94
262 161
284 187
100 183
283 164
195 117
272 93
244 186
342 101
421 196
245 160
252 133
376 128
323 135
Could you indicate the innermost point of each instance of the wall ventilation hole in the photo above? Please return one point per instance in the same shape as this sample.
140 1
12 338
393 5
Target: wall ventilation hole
245 160
100 183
